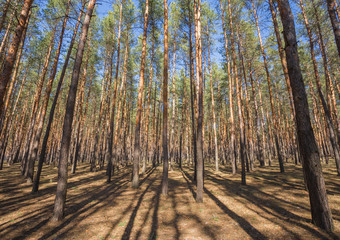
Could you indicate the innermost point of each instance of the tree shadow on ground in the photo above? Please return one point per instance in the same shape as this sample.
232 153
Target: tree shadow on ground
244 224
88 201
269 203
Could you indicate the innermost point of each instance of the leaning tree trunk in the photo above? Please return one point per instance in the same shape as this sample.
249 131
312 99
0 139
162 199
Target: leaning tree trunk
4 14
54 104
59 204
35 113
335 22
329 84
321 213
7 69
328 117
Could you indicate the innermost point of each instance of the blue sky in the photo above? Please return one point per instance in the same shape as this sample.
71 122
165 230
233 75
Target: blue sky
104 6
263 14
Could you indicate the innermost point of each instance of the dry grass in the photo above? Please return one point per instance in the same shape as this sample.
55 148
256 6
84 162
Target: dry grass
271 206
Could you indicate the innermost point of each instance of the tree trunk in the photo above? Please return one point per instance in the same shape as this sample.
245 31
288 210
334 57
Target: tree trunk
321 213
199 195
231 105
59 204
192 89
35 113
4 14
12 52
274 117
114 99
165 105
213 106
335 22
137 151
239 100
328 117
54 104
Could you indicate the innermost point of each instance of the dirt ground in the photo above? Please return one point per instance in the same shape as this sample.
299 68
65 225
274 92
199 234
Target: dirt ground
271 206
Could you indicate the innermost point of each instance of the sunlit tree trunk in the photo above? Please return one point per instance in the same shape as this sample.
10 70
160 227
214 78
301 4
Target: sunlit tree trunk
35 114
165 105
7 69
114 100
213 106
137 151
45 102
274 117
192 90
238 97
200 164
328 117
231 105
54 105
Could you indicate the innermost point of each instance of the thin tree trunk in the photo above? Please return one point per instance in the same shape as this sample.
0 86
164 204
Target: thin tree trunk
114 100
239 100
137 151
192 89
54 104
213 106
274 117
231 105
200 167
80 109
328 117
172 136
165 105
330 88
4 14
35 113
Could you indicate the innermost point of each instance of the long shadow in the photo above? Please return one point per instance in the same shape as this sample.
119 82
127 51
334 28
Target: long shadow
244 224
186 176
44 211
173 187
149 172
154 226
113 225
263 204
71 208
81 208
106 194
128 229
271 202
15 203
210 175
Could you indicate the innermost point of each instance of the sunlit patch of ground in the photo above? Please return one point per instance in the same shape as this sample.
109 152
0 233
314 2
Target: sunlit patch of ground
271 206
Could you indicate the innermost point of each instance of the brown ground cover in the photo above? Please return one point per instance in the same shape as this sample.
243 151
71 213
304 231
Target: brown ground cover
271 206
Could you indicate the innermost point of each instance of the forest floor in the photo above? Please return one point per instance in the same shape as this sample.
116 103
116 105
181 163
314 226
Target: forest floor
271 206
